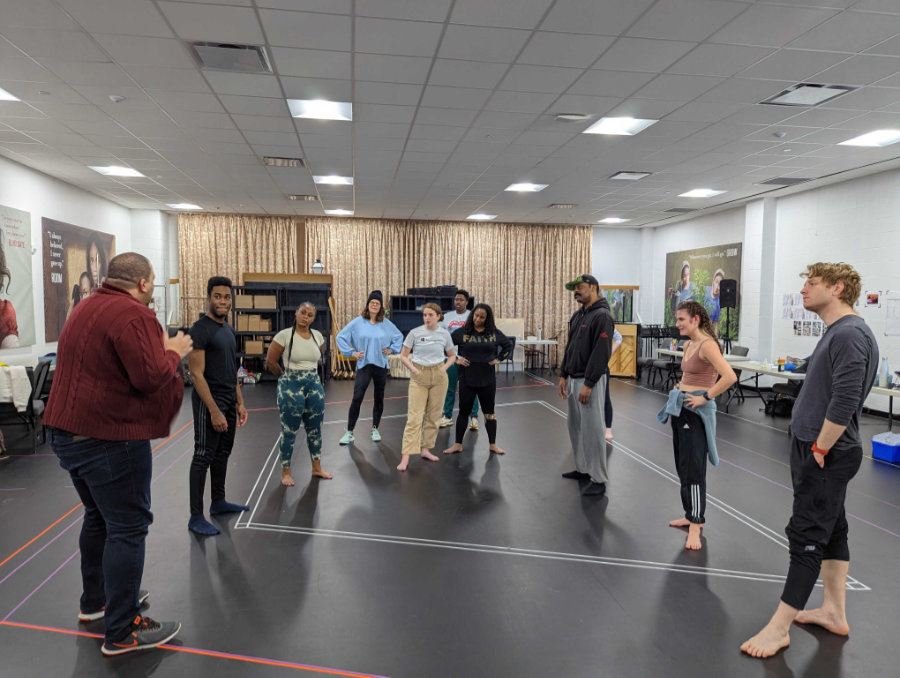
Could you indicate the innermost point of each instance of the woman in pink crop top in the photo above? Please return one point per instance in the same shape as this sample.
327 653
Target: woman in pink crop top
705 375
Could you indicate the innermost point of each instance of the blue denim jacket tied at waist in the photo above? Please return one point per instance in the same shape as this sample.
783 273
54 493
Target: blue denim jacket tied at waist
707 413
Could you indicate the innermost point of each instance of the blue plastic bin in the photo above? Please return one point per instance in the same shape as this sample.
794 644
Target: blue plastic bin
886 446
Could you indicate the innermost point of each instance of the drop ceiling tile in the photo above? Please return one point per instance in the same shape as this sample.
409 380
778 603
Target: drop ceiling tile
478 43
685 19
11 136
186 101
520 102
707 111
14 69
382 113
652 109
387 93
307 30
850 32
638 54
39 92
264 123
457 73
793 64
58 111
820 117
388 36
171 79
284 139
309 63
380 68
609 17
770 26
317 88
454 97
36 14
130 17
127 49
562 49
860 70
677 87
539 79
213 23
244 84
391 130
238 105
872 121
864 99
500 13
63 45
99 95
415 10
504 120
203 119
741 90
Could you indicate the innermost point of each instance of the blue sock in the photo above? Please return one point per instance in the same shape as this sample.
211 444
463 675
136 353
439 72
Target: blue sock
222 506
201 525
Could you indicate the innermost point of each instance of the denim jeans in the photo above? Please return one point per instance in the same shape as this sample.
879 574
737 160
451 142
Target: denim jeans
112 479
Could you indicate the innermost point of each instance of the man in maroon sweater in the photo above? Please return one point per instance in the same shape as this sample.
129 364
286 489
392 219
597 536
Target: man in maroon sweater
117 386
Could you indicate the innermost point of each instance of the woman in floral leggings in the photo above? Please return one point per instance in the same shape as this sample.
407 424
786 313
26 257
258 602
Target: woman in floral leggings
301 398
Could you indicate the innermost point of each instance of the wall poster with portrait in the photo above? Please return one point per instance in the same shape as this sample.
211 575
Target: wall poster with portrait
695 275
16 286
75 261
621 301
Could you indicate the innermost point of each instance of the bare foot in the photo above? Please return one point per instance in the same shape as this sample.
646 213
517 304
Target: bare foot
609 435
827 619
497 450
404 462
286 479
453 449
321 473
680 522
766 643
426 454
693 542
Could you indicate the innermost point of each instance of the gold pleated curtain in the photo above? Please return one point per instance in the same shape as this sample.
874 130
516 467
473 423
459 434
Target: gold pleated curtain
519 269
230 245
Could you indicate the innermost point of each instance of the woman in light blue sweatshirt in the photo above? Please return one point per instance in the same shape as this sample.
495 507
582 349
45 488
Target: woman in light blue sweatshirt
370 338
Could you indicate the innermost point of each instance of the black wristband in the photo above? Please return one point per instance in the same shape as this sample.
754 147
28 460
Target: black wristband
706 395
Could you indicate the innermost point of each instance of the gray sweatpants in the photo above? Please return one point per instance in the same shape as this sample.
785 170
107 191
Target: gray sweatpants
587 429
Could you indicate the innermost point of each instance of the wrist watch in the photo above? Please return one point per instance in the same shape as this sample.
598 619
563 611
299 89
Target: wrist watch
706 395
819 450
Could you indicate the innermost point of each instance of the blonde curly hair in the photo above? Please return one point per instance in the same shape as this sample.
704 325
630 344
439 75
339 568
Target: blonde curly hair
833 273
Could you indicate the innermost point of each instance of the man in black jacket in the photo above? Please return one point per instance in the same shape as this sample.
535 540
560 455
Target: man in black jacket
583 382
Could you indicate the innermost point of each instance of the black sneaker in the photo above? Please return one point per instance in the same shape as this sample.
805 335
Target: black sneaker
576 475
145 635
143 594
594 489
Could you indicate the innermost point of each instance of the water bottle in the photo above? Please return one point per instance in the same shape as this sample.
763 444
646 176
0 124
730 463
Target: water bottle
884 380
540 333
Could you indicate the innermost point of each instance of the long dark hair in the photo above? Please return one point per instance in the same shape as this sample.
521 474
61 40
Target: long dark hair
706 326
489 326
378 317
5 275
101 272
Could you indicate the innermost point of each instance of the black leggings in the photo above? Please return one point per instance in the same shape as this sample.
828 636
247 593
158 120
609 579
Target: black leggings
486 396
817 529
364 375
607 405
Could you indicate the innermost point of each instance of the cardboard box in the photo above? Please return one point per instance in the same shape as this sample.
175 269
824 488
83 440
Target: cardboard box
243 322
264 301
265 324
253 346
243 301
254 322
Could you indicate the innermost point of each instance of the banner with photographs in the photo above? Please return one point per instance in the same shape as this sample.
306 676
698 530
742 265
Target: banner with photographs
75 261
16 287
621 302
695 275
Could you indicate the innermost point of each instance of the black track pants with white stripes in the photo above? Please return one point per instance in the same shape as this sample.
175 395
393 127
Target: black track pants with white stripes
691 451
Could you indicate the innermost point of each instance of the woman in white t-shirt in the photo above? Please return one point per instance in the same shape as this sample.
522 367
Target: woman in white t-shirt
423 353
301 398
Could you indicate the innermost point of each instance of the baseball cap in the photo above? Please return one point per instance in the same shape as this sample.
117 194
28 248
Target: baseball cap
583 278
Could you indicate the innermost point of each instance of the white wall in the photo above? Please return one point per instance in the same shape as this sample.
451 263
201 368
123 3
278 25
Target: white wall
615 256
43 196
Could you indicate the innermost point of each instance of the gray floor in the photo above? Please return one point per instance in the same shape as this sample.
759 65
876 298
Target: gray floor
474 566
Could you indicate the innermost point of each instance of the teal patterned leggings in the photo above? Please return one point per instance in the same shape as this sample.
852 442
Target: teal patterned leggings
301 402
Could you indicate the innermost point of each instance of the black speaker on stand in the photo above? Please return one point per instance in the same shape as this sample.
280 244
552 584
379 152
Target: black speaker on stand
728 301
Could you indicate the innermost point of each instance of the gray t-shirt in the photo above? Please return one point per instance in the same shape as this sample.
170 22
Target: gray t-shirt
428 346
839 376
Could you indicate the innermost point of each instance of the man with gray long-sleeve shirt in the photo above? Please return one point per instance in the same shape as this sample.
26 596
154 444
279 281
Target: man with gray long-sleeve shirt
826 452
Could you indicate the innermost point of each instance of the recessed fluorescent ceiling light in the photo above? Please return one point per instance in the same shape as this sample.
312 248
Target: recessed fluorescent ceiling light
614 220
622 126
340 213
480 216
700 193
319 109
333 180
629 176
526 187
184 206
572 117
114 171
878 138
807 94
6 96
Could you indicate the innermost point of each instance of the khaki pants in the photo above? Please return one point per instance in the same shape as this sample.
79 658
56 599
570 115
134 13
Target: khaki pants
426 401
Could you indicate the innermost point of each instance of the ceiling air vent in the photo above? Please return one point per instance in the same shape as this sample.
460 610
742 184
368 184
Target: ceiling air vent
680 210
273 161
238 58
785 181
808 94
